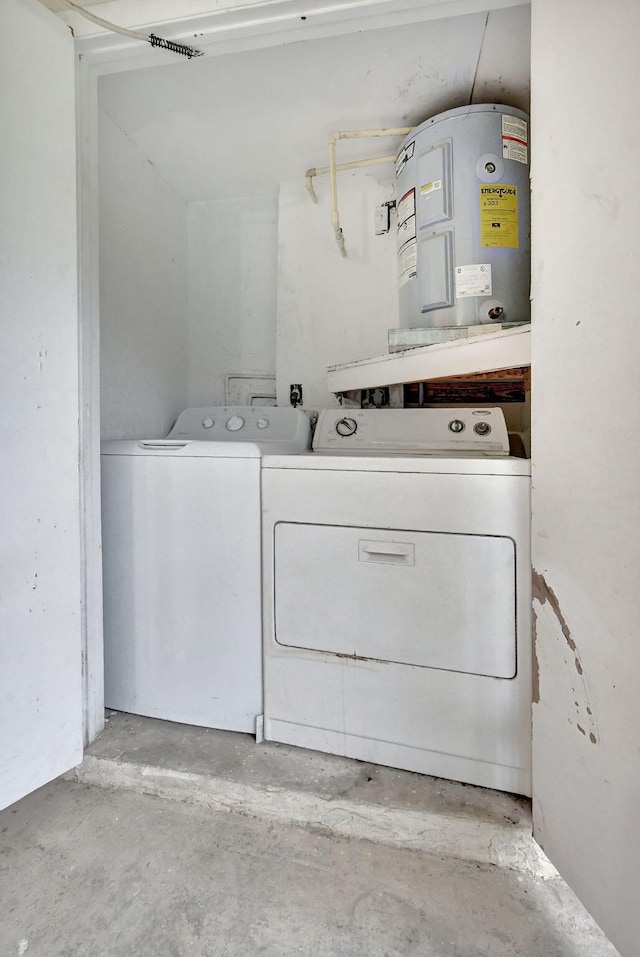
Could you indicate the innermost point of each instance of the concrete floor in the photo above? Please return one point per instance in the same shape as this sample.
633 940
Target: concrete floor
275 782
109 871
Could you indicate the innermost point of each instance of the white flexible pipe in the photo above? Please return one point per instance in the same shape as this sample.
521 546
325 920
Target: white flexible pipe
354 134
335 219
344 135
134 34
174 46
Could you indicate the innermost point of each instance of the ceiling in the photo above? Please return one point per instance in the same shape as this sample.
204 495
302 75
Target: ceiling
239 124
58 5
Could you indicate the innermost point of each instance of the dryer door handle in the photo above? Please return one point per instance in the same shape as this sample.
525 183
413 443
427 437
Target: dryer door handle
393 553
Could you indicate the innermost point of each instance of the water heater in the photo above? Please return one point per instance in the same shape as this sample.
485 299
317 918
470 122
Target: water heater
463 204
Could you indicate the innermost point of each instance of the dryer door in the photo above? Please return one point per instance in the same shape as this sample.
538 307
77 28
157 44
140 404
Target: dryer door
430 599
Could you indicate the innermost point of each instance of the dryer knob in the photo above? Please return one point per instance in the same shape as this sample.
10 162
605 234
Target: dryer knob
456 425
263 423
208 423
346 426
482 428
235 423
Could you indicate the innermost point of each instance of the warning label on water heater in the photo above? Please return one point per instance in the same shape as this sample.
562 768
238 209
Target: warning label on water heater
406 207
407 238
515 144
499 215
408 262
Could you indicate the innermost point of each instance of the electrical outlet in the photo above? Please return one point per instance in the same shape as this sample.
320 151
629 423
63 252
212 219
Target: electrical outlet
381 220
295 394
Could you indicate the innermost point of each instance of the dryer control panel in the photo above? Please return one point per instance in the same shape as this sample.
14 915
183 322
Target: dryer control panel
480 431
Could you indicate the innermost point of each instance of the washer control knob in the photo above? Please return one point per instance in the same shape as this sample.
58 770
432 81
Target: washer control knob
456 425
208 423
263 423
235 423
346 426
482 428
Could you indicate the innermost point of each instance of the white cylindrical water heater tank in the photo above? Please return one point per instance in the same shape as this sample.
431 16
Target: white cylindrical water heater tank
463 203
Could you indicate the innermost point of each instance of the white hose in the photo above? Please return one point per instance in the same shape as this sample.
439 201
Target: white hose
134 34
173 45
335 219
354 134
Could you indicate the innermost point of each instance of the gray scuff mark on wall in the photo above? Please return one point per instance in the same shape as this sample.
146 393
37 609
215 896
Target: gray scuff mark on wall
543 594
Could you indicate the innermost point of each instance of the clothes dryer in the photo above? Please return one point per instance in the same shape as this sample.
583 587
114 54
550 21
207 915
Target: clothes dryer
397 595
181 565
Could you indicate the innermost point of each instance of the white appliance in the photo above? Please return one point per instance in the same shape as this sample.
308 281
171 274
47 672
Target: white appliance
397 593
182 578
463 214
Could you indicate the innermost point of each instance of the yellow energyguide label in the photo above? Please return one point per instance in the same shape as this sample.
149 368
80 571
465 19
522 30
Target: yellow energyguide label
498 215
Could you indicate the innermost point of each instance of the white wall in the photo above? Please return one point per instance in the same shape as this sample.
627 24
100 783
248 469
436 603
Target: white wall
40 563
143 292
586 451
504 64
332 309
232 293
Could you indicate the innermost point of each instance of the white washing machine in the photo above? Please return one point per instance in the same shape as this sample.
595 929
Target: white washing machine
181 560
397 594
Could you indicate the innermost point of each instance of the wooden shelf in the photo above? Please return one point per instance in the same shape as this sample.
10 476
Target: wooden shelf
489 352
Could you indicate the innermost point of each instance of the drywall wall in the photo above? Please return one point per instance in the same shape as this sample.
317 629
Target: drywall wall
232 293
143 292
332 309
40 660
504 64
586 451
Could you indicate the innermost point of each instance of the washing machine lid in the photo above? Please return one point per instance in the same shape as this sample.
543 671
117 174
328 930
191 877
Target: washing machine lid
186 448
